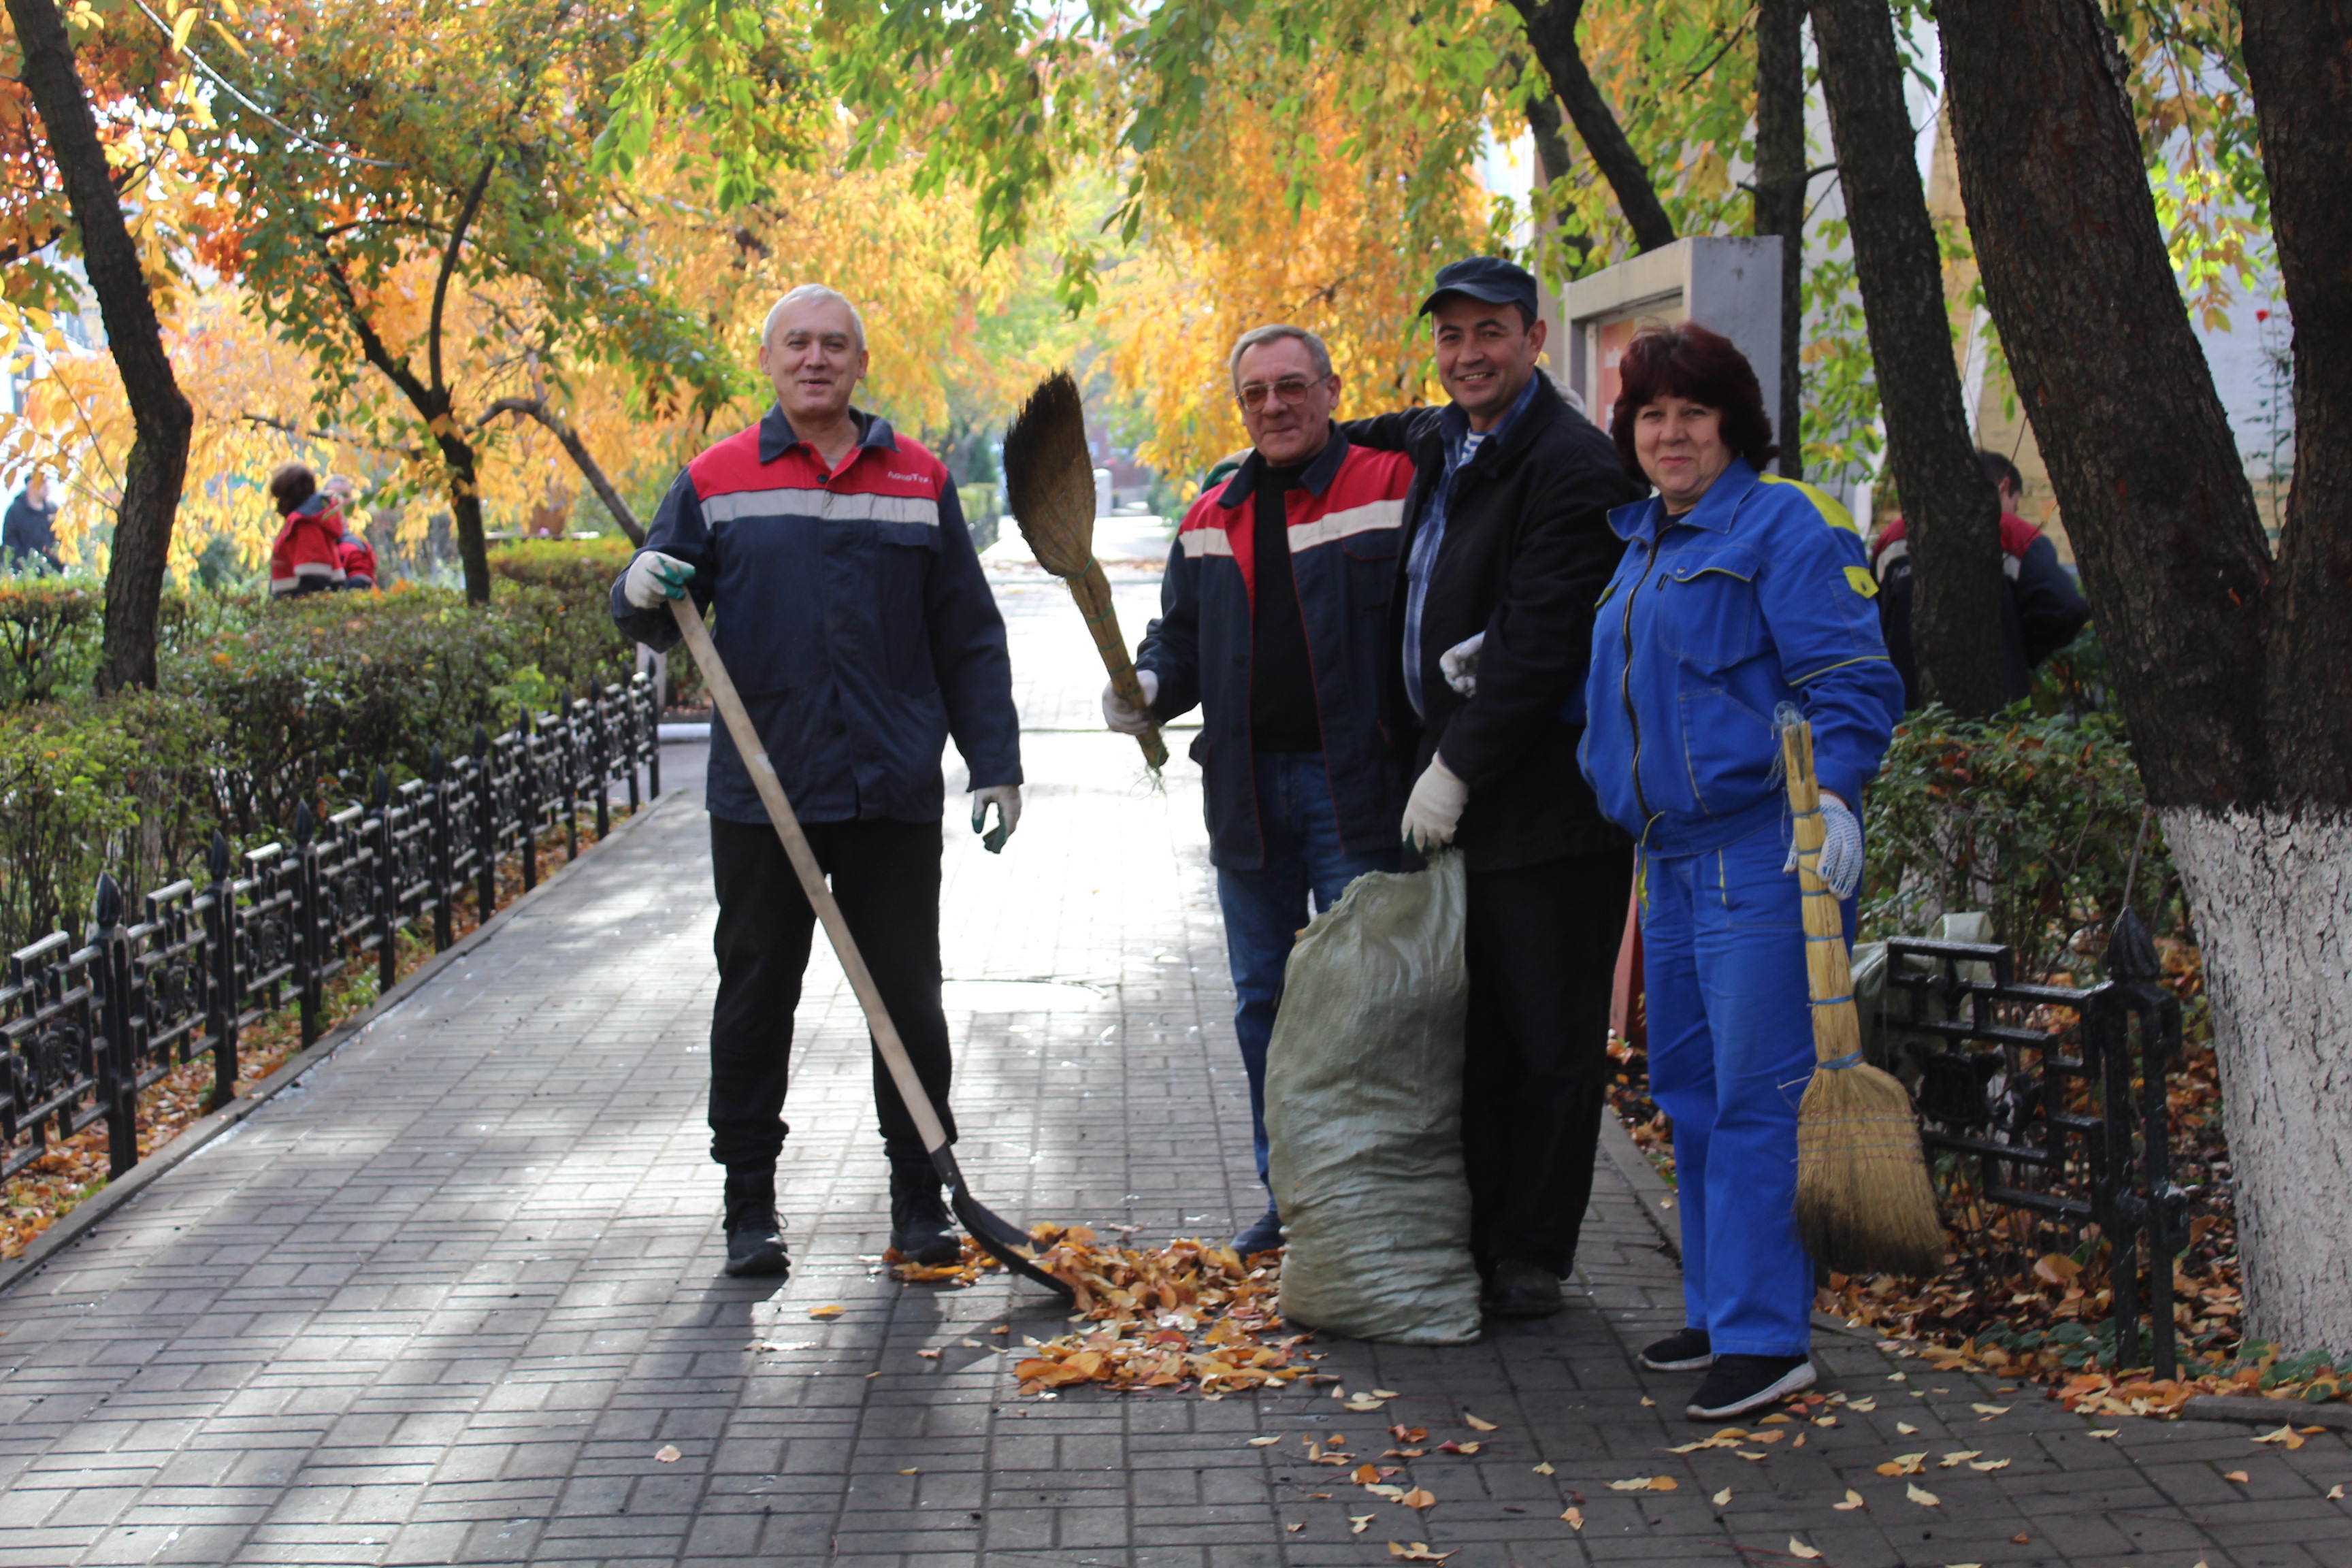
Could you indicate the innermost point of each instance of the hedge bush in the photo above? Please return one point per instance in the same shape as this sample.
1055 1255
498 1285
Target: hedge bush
49 633
2038 819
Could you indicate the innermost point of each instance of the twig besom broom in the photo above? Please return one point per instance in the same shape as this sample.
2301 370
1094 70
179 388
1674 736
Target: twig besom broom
1001 1239
1865 1204
1049 482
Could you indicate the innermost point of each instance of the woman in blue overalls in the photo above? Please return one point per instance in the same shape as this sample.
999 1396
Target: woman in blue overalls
1739 592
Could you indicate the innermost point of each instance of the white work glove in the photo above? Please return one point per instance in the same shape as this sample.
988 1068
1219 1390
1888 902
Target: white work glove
1124 716
1459 665
1841 863
654 579
1006 798
1433 810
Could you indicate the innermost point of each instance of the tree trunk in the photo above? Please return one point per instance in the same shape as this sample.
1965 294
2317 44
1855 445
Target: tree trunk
2299 63
1948 505
1780 198
458 458
2244 755
1551 31
160 417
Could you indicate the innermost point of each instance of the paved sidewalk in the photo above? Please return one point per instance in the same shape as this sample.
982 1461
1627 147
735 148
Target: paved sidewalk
455 1297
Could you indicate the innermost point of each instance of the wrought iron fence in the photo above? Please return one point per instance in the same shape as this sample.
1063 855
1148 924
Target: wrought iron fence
83 1028
2069 1123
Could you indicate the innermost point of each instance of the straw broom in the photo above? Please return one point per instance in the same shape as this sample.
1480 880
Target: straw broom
1049 482
1865 1204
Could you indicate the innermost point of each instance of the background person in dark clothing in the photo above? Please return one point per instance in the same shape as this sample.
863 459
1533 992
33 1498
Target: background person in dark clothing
1506 534
2041 610
30 531
1274 620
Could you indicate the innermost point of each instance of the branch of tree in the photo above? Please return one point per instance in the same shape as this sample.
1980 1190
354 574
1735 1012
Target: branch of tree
1551 31
590 470
473 204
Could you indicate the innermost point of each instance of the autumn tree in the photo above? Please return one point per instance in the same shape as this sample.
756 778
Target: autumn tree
437 176
2231 664
74 151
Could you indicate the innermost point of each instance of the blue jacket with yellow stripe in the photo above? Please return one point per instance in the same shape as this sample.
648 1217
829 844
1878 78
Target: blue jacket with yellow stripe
1760 595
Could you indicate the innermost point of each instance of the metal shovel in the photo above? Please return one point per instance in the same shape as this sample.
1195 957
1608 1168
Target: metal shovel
1004 1241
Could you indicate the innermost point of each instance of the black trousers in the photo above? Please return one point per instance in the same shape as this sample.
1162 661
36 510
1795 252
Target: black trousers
1542 946
886 876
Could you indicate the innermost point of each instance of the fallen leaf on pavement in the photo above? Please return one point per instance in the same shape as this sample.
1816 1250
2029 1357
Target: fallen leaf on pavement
1744 1454
1262 1442
1384 1393
1364 1474
1419 1552
1545 1469
1359 1522
1922 1495
2020 1538
1799 1548
1903 1465
1409 1434
1364 1403
1294 1529
2335 1494
1990 1411
1954 1460
1645 1484
1987 1464
929 1356
1477 1426
1853 1501
1383 1490
2102 1432
1418 1499
1905 1428
1450 1446
912 1470
830 1309
1651 1403
1862 1406
2238 1476
1723 1497
668 1454
1575 1518
2286 1435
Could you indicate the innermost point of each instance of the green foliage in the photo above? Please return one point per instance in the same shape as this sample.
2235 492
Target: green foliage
320 690
50 631
561 606
2041 820
89 785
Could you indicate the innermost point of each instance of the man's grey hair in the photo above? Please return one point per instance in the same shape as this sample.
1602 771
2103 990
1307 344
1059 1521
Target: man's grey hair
809 293
1316 350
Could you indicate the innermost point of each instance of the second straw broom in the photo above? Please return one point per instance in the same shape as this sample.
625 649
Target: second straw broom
1865 1204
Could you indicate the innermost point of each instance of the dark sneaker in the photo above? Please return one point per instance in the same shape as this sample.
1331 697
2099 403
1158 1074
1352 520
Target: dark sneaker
1523 1290
1263 1234
1739 1384
755 1238
1684 1351
919 1229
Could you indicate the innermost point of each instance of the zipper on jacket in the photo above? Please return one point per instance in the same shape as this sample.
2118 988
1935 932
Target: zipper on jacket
1625 684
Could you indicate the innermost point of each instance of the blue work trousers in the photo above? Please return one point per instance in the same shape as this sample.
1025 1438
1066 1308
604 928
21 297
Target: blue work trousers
1732 1048
1306 871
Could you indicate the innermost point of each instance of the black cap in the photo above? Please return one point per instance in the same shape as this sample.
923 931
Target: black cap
1488 277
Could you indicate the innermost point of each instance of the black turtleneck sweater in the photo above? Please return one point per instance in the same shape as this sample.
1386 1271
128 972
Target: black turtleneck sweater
1282 677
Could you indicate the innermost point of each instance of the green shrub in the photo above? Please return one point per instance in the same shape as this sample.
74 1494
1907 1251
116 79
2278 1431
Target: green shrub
559 593
50 630
2036 818
121 785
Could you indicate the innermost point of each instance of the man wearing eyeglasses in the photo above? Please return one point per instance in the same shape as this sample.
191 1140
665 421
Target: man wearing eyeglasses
1274 622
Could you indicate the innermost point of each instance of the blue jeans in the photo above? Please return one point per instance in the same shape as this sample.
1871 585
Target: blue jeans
1306 871
1731 1050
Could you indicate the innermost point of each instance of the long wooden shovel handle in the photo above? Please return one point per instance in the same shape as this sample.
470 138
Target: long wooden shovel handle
1829 974
1091 589
820 897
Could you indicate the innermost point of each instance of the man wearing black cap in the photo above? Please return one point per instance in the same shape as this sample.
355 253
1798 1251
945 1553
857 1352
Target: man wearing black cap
1506 548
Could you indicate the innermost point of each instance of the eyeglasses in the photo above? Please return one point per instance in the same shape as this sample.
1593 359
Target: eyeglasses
1289 389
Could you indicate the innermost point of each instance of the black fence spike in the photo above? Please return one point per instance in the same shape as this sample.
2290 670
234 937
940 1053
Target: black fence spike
216 857
436 766
481 741
304 823
2131 952
109 909
380 795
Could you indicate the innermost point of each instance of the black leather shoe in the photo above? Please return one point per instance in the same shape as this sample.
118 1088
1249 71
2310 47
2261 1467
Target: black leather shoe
1739 1384
1519 1290
1263 1234
1686 1350
920 1231
755 1236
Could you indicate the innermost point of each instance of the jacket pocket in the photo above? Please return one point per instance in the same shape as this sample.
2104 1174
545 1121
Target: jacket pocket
904 554
1728 749
1709 620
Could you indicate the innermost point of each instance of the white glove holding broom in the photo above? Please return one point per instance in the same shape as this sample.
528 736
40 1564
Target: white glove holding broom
1125 716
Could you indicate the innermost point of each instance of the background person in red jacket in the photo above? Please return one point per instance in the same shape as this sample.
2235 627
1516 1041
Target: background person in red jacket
308 556
357 555
2041 610
1274 622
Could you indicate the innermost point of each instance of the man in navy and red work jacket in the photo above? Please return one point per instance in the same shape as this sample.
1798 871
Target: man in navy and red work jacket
852 612
1274 620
